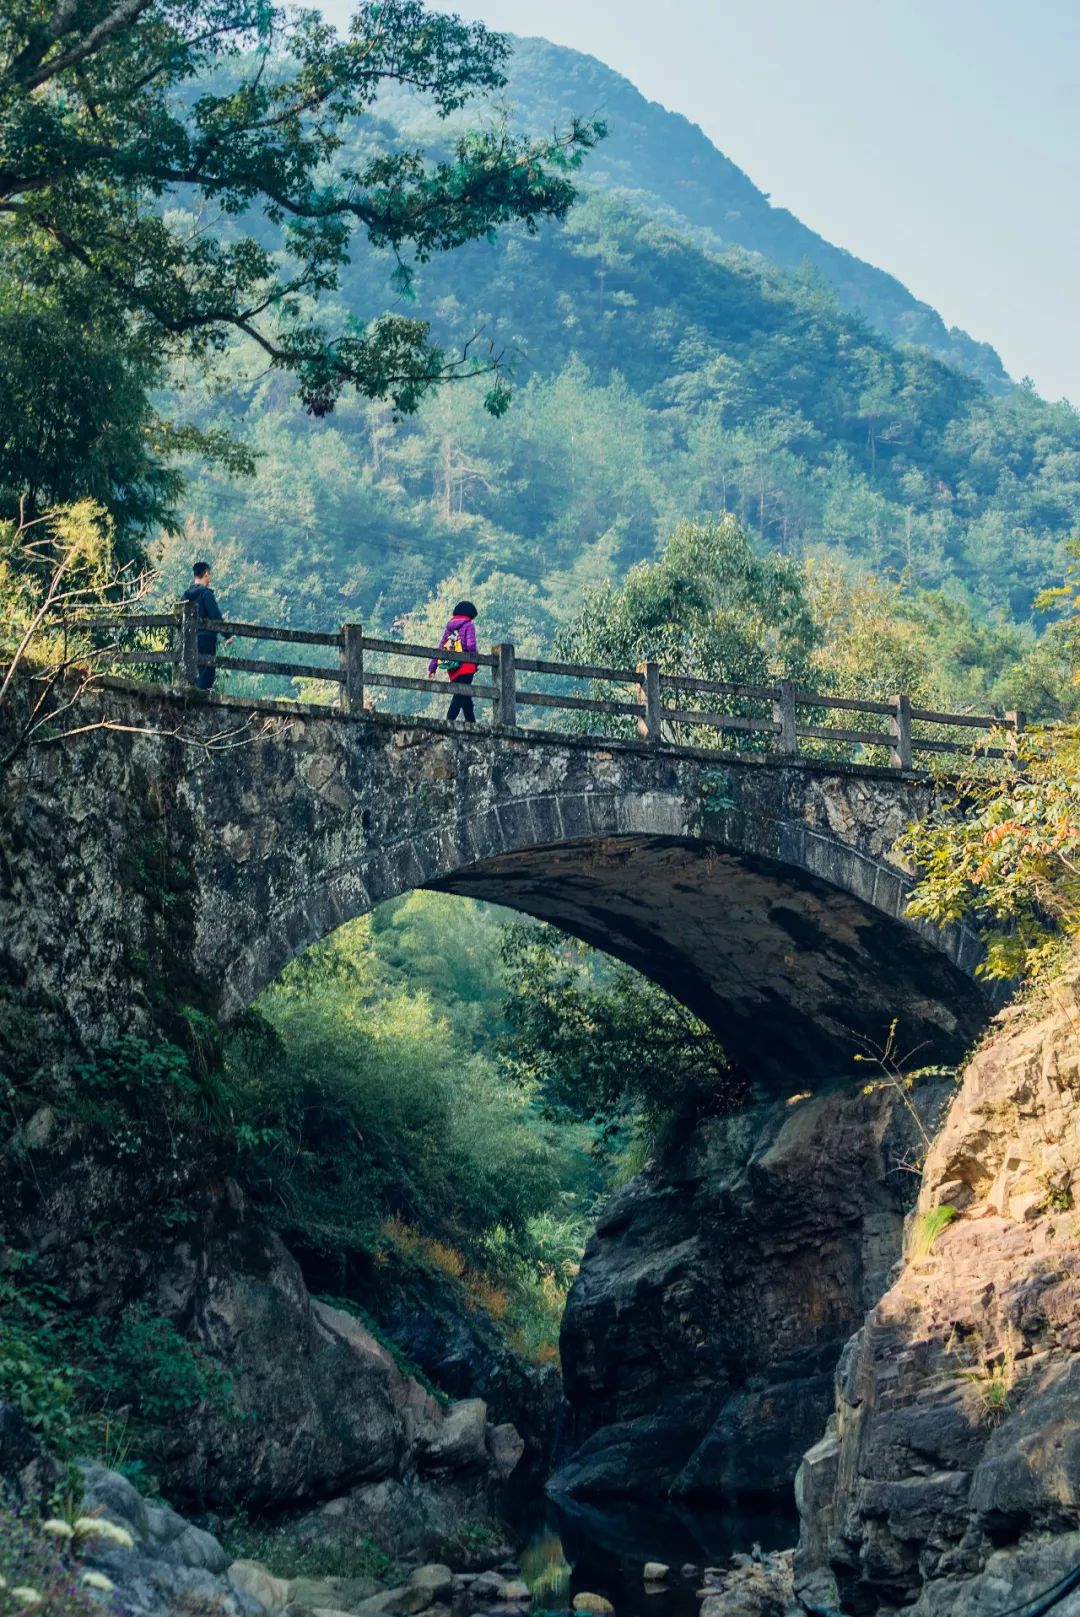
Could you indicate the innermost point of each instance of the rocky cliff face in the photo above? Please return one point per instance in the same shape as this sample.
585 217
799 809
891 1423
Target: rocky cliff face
310 1409
466 1355
702 1335
949 1481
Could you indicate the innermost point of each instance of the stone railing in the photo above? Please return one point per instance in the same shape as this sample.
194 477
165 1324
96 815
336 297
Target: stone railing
664 706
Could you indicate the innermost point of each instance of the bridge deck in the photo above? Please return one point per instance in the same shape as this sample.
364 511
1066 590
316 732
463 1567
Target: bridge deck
820 763
660 708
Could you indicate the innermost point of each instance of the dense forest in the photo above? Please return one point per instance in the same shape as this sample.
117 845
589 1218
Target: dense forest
654 380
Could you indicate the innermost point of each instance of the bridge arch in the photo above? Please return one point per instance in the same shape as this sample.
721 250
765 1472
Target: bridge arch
156 869
761 894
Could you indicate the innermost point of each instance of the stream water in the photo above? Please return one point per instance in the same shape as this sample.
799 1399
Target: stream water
570 1547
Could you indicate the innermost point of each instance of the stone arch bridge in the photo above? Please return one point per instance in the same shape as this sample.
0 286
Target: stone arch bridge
178 857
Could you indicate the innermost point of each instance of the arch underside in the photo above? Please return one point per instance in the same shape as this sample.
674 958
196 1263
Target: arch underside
793 973
784 937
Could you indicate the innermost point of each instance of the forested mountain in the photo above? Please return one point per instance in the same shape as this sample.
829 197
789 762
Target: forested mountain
655 380
668 168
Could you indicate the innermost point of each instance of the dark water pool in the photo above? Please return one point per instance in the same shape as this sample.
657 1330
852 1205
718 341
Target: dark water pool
601 1547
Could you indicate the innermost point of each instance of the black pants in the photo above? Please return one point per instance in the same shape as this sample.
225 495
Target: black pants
462 705
207 644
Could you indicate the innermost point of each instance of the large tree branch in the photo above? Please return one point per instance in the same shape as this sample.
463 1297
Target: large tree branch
185 47
460 369
41 70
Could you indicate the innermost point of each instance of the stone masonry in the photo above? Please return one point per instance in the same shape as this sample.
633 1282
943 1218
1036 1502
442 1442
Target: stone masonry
166 866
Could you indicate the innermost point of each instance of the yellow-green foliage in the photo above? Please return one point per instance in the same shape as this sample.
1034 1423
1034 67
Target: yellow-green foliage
350 1114
547 1572
992 1385
65 559
926 1229
373 1129
1008 850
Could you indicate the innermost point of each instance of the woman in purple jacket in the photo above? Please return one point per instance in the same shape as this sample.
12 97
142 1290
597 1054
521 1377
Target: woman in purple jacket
460 636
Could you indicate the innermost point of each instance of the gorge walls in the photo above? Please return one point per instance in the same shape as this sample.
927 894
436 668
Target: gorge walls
701 1337
949 1480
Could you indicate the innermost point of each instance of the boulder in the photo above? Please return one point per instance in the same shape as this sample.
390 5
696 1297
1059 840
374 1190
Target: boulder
174 1539
376 1603
406 1601
593 1605
149 1587
656 1572
254 1579
505 1447
437 1579
172 1567
487 1587
757 1587
159 1531
458 1441
309 1594
426 1515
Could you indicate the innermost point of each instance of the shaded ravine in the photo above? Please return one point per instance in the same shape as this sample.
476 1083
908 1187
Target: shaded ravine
702 1334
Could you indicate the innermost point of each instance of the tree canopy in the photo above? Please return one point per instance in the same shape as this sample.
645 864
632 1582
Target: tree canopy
120 152
172 178
709 606
598 1041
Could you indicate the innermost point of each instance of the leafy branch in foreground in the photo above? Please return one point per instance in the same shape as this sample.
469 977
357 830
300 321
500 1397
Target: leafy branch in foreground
229 108
1006 852
51 568
54 570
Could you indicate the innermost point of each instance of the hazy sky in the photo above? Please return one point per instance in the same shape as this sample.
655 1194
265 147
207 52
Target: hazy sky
939 139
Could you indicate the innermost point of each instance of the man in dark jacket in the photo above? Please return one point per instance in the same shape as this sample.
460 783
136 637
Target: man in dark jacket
200 592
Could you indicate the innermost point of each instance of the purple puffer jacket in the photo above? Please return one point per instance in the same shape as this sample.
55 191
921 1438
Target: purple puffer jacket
465 630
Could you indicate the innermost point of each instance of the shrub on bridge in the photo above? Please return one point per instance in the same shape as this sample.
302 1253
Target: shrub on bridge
1007 850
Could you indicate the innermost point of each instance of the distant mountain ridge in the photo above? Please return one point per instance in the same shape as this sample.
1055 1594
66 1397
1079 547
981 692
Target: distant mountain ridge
660 372
667 166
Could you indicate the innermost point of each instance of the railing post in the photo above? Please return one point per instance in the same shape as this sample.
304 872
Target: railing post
649 726
504 708
351 657
186 644
1016 719
787 740
900 753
